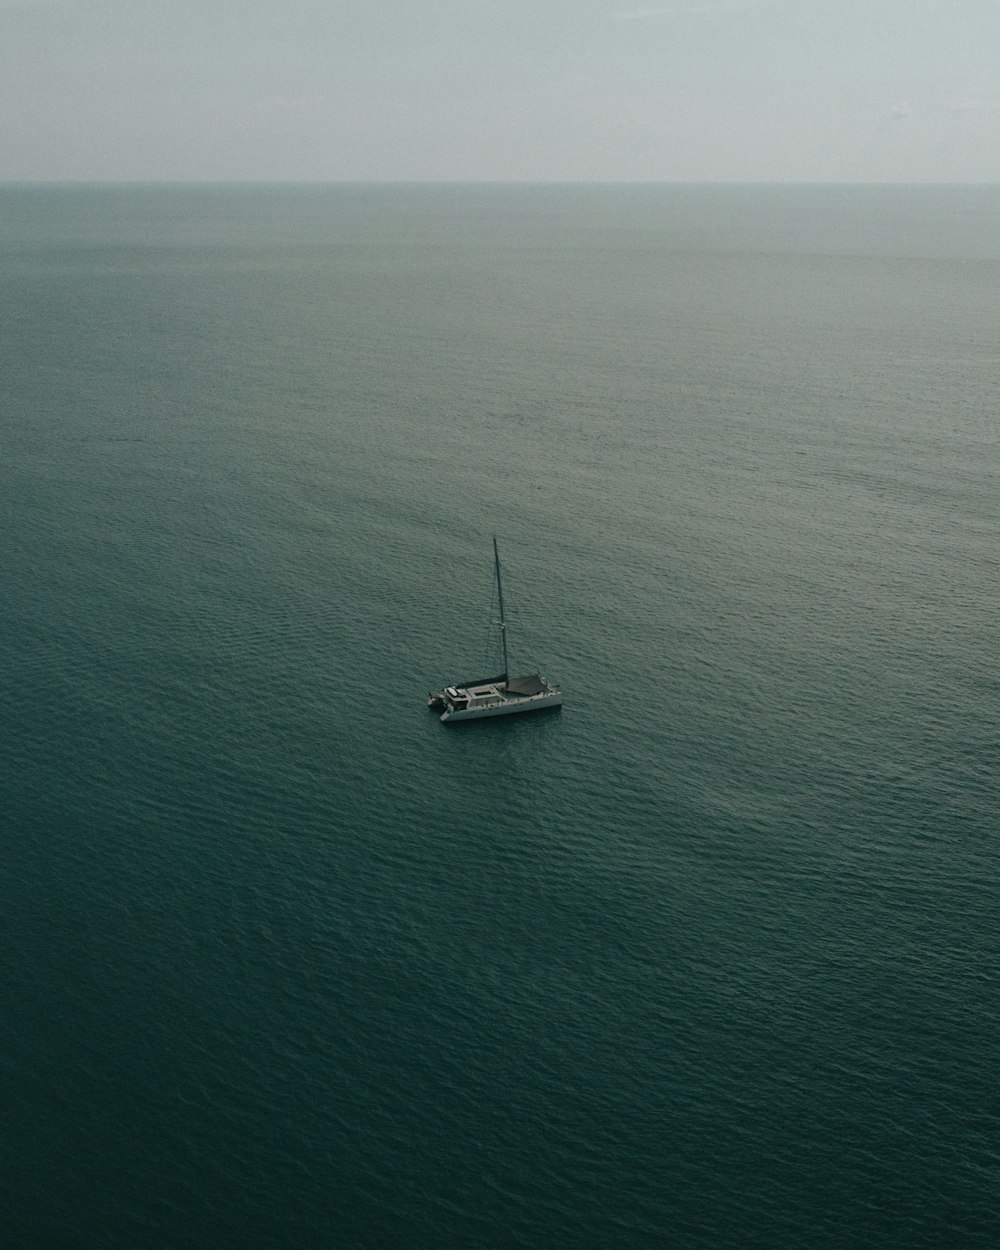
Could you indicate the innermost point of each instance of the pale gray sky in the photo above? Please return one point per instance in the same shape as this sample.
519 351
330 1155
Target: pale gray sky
578 90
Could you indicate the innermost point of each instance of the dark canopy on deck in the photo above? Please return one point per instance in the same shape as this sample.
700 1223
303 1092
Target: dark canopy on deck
525 685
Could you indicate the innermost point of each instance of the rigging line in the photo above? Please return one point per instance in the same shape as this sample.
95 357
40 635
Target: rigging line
522 633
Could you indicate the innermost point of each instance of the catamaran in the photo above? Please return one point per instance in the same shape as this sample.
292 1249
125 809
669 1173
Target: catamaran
495 696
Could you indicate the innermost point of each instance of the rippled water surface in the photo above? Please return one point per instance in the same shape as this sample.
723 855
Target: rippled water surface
706 959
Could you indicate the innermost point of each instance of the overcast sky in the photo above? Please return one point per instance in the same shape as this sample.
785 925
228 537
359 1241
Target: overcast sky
577 90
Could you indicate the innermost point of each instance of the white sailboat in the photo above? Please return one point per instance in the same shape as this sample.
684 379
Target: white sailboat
495 696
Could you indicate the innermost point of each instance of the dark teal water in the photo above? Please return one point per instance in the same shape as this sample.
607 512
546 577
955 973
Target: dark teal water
709 958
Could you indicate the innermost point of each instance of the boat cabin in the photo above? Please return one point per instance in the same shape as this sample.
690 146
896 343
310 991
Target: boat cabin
462 697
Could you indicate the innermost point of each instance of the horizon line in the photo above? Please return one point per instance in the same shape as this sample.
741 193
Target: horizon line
485 182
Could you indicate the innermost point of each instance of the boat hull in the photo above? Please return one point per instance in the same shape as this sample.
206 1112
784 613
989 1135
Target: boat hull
509 707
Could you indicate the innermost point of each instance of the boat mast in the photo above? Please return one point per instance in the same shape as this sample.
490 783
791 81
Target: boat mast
503 626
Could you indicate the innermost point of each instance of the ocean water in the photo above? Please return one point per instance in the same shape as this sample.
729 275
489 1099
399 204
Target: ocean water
706 959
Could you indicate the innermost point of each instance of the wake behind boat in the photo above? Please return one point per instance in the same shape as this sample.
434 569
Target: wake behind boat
495 696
